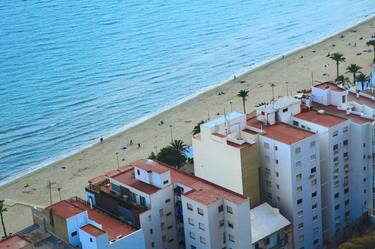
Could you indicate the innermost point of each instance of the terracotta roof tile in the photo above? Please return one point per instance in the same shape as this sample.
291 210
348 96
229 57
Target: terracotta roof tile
14 242
286 133
64 209
93 230
329 85
326 119
127 178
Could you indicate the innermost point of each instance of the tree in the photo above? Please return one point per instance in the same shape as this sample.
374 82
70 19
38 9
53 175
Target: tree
372 43
354 69
152 156
197 128
338 57
178 145
362 78
243 94
261 104
171 156
2 211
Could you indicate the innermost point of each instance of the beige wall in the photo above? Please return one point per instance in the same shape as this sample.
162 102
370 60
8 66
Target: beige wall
250 174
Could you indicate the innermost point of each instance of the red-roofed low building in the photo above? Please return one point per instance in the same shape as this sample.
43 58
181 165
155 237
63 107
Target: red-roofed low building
77 223
16 242
174 208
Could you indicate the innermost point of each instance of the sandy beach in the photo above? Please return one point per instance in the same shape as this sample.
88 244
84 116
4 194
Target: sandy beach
290 73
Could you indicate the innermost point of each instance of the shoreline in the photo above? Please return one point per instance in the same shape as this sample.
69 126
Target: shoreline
117 131
295 67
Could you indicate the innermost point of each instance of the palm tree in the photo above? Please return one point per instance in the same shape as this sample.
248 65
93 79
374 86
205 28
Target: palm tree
2 210
261 104
179 145
362 78
243 94
372 43
354 69
197 128
338 57
342 80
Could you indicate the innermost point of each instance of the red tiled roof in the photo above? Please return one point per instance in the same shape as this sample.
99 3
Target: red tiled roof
286 133
203 191
127 178
93 230
333 110
326 119
14 242
64 209
361 100
111 226
330 85
149 166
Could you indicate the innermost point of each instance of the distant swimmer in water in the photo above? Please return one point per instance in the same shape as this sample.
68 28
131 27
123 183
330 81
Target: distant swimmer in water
101 140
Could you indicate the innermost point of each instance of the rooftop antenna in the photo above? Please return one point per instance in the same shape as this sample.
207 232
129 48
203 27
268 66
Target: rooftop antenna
287 88
312 78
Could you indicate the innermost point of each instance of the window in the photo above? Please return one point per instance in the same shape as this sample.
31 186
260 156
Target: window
346 154
229 210
230 224
275 147
161 212
74 233
295 123
314 206
313 182
298 164
151 231
189 206
298 150
345 142
149 218
316 230
312 144
299 189
277 174
168 214
364 145
347 202
315 218
152 244
90 239
346 190
277 186
165 182
337 195
299 177
313 157
337 207
300 225
167 200
300 237
138 172
221 223
277 161
192 235
201 226
170 227
200 211
231 237
266 145
299 201
220 208
300 213
191 221
202 240
171 240
313 170
316 241
193 247
313 194
285 110
142 201
335 133
269 195
346 128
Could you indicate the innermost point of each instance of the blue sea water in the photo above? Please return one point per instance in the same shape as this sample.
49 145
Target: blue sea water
73 71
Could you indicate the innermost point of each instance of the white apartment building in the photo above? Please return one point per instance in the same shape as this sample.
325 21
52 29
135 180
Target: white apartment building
82 226
173 208
225 152
290 171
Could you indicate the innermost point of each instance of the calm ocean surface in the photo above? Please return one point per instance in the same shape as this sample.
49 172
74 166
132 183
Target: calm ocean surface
72 71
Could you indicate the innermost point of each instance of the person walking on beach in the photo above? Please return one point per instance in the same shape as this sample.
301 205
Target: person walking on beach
139 146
